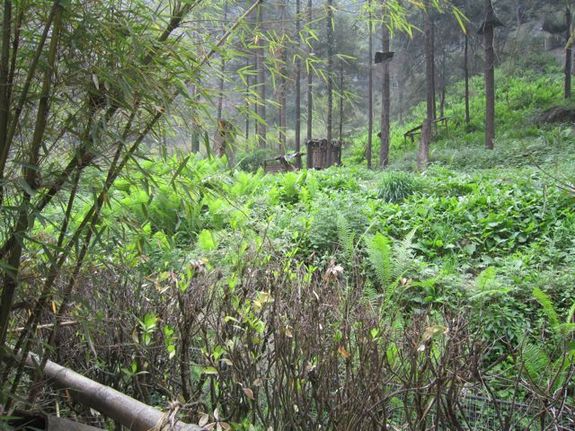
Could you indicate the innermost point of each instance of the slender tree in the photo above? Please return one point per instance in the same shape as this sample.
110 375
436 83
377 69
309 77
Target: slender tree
385 100
4 90
330 56
282 87
248 88
466 73
309 109
568 53
370 89
443 85
298 85
426 132
341 91
222 71
488 31
261 128
433 68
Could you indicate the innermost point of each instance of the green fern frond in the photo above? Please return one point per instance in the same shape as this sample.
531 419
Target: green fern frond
371 296
379 250
346 237
403 256
535 360
543 299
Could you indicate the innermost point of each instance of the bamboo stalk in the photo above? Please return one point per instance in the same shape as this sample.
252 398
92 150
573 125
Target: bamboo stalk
45 326
131 413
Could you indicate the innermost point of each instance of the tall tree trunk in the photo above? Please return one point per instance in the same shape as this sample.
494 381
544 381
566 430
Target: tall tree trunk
568 54
222 71
433 73
443 85
282 99
248 87
466 72
30 174
298 86
370 91
488 35
261 128
341 101
329 76
309 112
385 101
423 156
4 90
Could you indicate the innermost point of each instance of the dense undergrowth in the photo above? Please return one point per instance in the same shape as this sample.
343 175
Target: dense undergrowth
346 298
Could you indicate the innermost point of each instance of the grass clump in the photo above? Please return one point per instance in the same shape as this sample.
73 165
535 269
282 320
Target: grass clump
395 186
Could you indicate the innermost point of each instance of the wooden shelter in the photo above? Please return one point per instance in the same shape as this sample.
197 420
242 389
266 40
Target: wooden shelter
412 133
282 163
322 154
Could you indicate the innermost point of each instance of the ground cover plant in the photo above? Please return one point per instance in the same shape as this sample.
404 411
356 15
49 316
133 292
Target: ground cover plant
428 274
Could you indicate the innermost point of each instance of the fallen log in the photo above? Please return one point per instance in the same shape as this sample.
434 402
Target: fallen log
39 421
131 413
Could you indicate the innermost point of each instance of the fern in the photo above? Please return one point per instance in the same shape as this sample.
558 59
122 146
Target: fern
346 237
380 254
535 360
371 296
390 261
403 256
545 302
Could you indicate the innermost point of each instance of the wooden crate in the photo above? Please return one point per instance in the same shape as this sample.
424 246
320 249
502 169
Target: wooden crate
321 154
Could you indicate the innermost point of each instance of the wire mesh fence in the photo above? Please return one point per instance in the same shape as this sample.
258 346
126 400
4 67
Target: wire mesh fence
477 411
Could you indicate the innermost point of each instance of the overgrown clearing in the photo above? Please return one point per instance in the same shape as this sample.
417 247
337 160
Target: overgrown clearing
343 298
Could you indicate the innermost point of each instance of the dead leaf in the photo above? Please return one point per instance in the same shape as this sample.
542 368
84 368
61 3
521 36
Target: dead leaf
344 353
249 393
204 420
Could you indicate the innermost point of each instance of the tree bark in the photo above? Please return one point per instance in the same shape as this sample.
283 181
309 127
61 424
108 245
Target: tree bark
282 98
247 119
341 101
329 76
568 54
309 80
488 36
4 89
443 86
222 71
261 128
370 91
298 87
385 102
466 72
30 173
423 155
433 73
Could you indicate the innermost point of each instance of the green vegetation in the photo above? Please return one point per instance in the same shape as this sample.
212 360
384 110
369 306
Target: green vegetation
477 251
